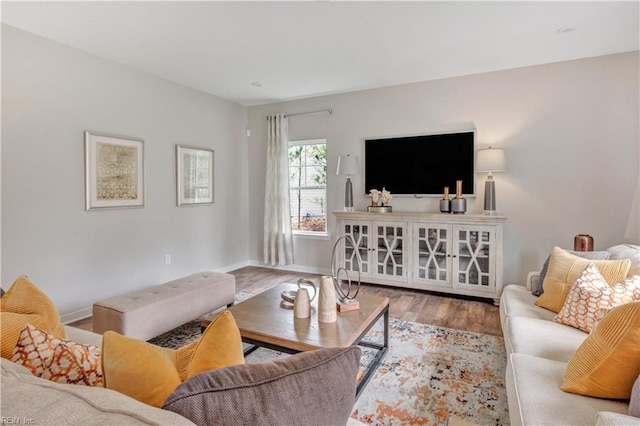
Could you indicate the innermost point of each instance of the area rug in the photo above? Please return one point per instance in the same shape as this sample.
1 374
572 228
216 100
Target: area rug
429 374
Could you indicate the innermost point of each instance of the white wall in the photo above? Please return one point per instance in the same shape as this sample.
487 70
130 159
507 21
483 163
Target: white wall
570 131
51 94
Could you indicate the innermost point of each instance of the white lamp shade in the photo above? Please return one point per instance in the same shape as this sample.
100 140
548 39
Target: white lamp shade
348 165
490 160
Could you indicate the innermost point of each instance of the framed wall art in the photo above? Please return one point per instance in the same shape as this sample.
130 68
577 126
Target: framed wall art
114 171
194 176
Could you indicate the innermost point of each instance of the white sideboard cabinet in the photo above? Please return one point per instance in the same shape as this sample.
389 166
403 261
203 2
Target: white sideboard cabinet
459 254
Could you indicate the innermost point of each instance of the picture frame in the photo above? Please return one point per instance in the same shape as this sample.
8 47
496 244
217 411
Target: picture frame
114 171
194 176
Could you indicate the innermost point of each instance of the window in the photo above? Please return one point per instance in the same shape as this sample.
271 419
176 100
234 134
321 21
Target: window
308 185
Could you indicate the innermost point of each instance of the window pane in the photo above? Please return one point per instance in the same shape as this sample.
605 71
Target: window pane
307 183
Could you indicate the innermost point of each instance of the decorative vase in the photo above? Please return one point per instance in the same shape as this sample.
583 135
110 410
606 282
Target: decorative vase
302 304
445 203
379 209
459 204
327 301
583 242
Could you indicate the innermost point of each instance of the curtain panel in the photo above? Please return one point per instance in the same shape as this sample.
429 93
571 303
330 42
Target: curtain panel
278 238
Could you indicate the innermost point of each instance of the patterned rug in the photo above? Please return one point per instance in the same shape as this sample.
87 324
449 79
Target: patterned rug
429 374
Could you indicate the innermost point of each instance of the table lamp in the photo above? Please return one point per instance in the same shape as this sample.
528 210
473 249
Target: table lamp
489 161
348 166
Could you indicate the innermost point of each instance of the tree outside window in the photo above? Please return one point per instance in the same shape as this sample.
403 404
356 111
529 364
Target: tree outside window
308 185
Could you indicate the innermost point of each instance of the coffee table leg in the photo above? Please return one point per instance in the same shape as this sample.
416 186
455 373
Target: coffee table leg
382 351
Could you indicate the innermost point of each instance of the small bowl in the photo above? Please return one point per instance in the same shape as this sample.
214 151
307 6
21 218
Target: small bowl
288 295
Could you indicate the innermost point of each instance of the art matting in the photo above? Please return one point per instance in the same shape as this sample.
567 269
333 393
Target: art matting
194 176
114 171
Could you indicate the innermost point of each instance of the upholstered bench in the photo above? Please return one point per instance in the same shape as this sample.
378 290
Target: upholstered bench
149 312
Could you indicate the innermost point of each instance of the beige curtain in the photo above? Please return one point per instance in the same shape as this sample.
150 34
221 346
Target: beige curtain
278 239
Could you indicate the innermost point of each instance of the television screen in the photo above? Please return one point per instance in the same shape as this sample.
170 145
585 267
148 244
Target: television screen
421 165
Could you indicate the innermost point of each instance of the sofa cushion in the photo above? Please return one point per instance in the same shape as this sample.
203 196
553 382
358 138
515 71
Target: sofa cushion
58 360
516 300
535 398
543 338
563 270
309 388
591 255
25 304
43 402
149 373
608 362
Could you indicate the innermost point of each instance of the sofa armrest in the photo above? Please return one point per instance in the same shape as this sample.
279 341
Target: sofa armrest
83 336
608 418
532 280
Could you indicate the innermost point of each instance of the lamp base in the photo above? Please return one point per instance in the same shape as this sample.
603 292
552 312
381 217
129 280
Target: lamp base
348 195
489 195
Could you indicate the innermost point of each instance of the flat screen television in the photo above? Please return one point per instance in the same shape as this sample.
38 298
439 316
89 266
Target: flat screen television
421 165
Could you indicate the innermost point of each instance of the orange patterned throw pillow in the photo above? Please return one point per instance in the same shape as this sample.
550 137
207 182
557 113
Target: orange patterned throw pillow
58 360
590 295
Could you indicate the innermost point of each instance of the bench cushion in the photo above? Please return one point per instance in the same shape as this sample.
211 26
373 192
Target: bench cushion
149 312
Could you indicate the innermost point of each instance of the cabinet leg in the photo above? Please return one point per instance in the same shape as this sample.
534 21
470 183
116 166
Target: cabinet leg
496 302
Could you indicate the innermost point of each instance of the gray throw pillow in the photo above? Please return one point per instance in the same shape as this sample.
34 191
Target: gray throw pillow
627 251
591 255
634 402
309 388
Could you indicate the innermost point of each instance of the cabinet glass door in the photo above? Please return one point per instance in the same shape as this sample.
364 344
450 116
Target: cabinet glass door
430 254
356 248
474 248
390 249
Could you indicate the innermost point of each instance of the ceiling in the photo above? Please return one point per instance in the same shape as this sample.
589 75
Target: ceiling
263 52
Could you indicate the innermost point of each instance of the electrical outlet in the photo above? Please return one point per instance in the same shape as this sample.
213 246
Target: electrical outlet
167 259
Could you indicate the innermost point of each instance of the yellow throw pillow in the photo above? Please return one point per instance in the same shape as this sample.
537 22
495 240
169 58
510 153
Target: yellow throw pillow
25 304
608 361
150 373
563 270
58 360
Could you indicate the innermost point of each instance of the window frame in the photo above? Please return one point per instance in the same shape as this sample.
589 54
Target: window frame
311 234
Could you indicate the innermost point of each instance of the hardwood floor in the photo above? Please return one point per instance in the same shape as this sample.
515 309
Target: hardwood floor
462 313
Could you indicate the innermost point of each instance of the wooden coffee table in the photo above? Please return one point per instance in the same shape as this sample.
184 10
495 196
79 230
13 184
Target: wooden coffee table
265 320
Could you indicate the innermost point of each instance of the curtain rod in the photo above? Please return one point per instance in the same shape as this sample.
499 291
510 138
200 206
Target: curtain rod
329 110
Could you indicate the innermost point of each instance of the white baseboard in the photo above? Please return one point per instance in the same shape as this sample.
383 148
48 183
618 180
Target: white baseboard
77 315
